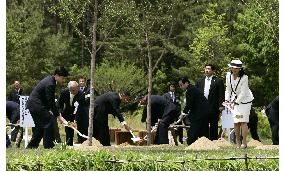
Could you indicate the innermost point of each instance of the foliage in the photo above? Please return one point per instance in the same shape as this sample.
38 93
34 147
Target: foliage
70 159
45 34
32 52
211 44
119 77
257 36
263 127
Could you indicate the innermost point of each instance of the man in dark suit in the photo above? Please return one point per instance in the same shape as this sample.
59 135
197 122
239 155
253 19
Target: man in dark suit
197 108
82 118
163 112
174 97
16 92
272 112
13 114
42 107
108 103
70 102
214 91
82 84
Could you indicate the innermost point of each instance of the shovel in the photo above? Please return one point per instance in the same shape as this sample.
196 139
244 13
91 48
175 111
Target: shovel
82 135
235 113
153 129
134 139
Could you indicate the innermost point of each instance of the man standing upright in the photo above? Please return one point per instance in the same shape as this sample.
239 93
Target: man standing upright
16 92
214 91
42 107
82 84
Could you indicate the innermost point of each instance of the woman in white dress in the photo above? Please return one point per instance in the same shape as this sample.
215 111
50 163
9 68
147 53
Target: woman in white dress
239 95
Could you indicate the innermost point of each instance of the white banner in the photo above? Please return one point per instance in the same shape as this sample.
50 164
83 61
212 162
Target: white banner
26 119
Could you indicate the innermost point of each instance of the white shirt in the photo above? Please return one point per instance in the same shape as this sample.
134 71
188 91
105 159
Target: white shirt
207 86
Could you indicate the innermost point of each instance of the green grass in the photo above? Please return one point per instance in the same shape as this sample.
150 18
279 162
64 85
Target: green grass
69 159
63 158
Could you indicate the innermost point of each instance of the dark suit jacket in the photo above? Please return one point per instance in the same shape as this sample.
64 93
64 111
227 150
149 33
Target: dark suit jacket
272 110
196 103
43 96
176 101
216 93
12 111
159 107
64 104
14 95
107 103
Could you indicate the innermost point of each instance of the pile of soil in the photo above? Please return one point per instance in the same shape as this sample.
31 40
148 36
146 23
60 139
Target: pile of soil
95 142
267 147
85 147
254 143
222 142
203 144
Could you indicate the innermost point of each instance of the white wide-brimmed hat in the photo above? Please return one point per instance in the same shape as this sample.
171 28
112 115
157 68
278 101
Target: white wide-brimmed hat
236 63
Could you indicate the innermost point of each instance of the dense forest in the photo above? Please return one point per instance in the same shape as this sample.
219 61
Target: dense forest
179 35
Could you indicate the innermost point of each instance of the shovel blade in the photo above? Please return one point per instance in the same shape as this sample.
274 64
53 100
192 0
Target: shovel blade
136 139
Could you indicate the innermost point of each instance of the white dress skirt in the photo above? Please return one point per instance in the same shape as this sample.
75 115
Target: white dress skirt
244 110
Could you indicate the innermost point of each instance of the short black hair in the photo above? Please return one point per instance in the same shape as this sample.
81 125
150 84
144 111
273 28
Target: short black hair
241 73
171 84
211 65
61 71
184 80
82 77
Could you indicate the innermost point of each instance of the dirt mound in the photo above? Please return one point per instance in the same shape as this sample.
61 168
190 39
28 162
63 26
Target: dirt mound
203 144
267 147
222 142
254 143
94 143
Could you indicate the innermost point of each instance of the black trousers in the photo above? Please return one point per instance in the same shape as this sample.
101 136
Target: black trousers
14 133
275 131
213 129
69 135
8 142
44 128
82 123
101 132
198 128
69 132
162 131
252 125
14 119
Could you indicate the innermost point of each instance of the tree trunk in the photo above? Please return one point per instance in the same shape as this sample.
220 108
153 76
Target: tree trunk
149 137
93 71
83 43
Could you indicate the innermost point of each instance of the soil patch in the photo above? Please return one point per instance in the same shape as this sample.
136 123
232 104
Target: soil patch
203 144
254 143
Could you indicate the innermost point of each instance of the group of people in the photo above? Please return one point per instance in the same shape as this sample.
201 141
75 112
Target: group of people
203 105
